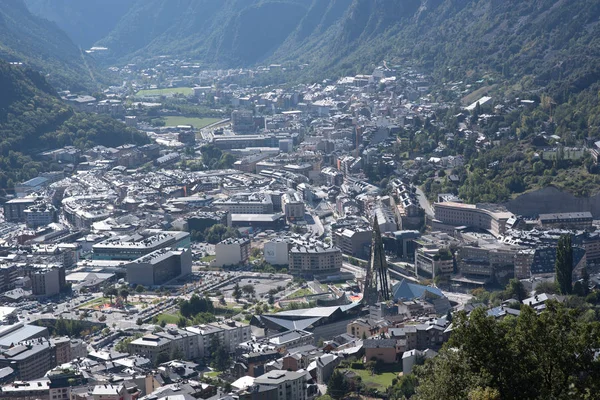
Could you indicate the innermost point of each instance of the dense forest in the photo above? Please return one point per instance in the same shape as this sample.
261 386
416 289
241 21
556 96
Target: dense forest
41 45
33 119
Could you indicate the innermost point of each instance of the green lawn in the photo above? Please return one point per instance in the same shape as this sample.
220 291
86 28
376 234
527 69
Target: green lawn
378 381
168 318
195 122
212 374
95 302
166 91
300 293
208 258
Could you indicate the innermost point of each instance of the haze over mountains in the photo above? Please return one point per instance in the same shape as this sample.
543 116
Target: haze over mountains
543 38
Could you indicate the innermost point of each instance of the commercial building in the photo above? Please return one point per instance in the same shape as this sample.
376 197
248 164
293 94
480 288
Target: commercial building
14 210
232 252
160 267
486 259
314 259
33 185
471 215
242 121
274 221
247 203
132 248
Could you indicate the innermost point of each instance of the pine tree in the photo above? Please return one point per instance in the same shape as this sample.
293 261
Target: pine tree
564 264
337 385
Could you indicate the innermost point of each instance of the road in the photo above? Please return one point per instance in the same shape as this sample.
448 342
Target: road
424 203
316 287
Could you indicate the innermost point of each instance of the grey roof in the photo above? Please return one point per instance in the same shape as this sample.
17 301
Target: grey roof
379 343
20 332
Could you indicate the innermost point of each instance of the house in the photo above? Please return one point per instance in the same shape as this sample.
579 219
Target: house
385 350
415 357
325 366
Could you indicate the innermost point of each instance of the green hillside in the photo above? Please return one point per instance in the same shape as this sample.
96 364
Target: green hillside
41 45
85 22
34 119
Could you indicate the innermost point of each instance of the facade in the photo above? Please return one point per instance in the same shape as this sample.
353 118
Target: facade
476 216
242 121
232 252
39 214
230 334
574 220
46 281
290 384
293 206
247 203
434 261
14 210
31 359
353 242
159 267
277 252
385 350
127 250
314 259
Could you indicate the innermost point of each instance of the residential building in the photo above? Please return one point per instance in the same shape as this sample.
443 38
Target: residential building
30 359
290 384
353 242
385 350
573 220
314 259
46 281
40 214
232 251
293 206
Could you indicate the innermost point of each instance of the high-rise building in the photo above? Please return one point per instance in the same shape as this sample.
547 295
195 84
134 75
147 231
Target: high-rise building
377 287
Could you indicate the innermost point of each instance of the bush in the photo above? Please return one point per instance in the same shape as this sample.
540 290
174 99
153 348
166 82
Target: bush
357 365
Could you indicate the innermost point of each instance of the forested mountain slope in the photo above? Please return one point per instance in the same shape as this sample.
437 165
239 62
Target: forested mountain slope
41 45
33 119
85 21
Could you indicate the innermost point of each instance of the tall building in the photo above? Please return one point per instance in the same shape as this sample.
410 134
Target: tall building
377 287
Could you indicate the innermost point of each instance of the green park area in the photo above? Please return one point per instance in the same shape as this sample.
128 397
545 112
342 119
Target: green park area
195 122
186 91
379 381
300 293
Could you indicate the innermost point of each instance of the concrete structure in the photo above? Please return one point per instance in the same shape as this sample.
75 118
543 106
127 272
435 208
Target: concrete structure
353 242
40 214
47 281
276 252
247 203
31 359
230 334
242 121
232 252
573 220
314 259
129 249
159 267
385 350
476 216
293 206
14 210
290 384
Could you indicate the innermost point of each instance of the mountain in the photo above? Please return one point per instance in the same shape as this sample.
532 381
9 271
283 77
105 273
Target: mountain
40 44
85 21
33 119
223 32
